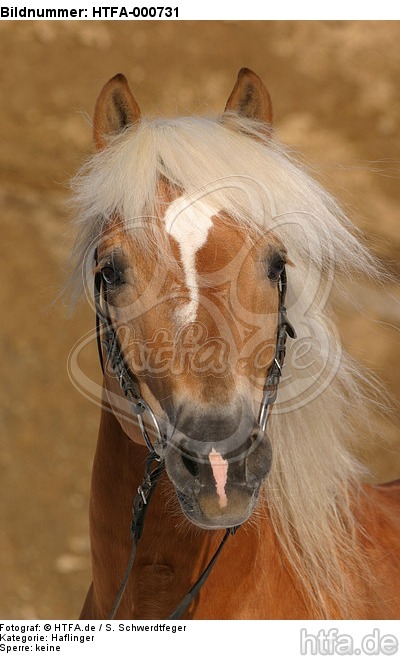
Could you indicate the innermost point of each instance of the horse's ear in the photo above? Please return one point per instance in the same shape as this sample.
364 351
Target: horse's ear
250 98
115 109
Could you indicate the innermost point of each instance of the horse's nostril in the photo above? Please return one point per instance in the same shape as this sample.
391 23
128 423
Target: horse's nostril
191 465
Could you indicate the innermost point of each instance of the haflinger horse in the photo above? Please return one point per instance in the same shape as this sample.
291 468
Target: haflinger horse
210 248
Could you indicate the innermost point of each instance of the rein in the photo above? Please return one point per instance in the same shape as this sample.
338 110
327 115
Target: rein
155 465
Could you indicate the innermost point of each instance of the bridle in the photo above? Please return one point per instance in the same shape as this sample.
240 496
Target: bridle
107 340
285 330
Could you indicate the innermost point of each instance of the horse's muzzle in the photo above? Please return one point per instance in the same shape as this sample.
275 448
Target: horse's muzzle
217 470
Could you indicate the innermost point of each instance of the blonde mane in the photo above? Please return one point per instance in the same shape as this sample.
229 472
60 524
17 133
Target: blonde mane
258 184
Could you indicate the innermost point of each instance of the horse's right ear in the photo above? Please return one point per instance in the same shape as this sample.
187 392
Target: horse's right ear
115 109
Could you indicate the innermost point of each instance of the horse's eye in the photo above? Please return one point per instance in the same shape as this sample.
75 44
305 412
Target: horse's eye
111 276
276 265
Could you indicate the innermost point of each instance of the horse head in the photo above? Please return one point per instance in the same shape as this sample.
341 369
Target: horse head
195 300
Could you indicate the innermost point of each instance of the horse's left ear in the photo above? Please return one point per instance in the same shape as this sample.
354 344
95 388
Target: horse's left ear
250 98
115 109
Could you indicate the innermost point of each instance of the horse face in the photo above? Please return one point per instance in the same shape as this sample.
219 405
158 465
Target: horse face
197 324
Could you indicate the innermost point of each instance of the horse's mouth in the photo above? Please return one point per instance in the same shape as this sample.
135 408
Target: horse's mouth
218 490
203 509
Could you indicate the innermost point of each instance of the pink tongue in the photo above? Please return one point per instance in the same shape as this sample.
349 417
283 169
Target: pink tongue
219 468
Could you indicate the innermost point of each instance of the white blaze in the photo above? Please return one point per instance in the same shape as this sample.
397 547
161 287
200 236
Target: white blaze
219 468
189 226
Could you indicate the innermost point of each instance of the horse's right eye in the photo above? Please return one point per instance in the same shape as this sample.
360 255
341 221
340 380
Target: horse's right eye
111 276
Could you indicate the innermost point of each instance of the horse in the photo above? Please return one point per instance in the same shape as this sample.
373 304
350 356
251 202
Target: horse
212 253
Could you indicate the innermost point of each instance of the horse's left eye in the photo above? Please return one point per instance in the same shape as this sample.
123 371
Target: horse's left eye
276 264
111 276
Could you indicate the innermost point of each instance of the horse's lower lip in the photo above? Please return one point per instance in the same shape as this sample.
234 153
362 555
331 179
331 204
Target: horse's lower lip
218 527
201 514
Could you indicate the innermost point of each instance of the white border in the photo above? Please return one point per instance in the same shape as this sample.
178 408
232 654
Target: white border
188 638
224 9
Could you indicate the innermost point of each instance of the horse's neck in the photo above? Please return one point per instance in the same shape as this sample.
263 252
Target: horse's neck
172 553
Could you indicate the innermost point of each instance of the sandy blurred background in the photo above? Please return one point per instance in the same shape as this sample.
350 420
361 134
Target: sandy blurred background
337 99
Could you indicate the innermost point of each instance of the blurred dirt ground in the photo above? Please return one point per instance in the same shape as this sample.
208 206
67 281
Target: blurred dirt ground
337 100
